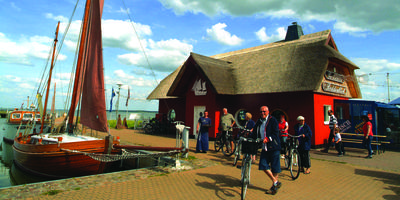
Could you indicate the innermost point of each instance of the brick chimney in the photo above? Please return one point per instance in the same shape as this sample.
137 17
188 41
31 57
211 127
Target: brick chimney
294 32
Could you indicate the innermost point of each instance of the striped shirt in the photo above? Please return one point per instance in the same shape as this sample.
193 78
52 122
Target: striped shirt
332 121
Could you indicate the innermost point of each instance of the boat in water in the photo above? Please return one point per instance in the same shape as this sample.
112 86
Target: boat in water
66 152
19 120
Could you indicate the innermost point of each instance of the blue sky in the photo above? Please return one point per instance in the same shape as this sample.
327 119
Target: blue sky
365 31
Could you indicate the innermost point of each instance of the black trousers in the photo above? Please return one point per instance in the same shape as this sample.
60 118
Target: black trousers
305 158
339 147
331 136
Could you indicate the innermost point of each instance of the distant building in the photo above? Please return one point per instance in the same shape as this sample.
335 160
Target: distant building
301 75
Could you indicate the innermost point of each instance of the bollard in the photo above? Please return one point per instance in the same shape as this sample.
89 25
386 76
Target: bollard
185 141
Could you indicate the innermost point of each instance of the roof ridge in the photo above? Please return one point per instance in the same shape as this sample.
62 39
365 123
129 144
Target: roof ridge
321 34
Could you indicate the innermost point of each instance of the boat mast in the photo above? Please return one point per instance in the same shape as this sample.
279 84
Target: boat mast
49 81
78 75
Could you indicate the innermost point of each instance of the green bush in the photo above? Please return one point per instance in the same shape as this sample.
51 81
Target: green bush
130 123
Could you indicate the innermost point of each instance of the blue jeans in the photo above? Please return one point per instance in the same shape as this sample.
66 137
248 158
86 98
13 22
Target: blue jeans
270 160
367 144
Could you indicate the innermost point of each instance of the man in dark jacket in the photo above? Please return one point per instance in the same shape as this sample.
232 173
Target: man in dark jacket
267 130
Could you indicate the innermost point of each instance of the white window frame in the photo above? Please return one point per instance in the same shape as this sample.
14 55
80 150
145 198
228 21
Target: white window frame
326 116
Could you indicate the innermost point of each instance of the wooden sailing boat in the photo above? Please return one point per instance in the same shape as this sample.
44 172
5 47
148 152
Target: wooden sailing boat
66 155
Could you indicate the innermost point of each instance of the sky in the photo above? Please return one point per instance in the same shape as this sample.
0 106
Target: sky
145 40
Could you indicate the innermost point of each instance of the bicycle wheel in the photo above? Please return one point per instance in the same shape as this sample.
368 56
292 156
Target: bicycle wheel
295 164
237 155
245 178
148 128
227 148
217 144
287 156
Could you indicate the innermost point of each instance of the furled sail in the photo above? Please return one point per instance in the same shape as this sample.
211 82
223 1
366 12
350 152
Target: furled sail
93 109
90 72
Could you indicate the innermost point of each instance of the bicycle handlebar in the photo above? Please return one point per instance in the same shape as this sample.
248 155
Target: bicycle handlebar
258 140
241 128
294 136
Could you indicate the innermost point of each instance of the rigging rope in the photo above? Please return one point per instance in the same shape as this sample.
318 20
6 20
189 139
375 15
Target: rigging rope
125 155
141 45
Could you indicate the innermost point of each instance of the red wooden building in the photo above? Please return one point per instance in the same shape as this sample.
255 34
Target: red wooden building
300 75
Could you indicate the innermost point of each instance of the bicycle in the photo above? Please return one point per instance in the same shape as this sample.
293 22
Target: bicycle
242 133
152 127
224 141
292 157
249 147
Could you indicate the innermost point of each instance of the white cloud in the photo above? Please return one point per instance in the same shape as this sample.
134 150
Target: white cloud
164 56
57 18
15 6
374 65
120 34
219 34
342 27
364 14
121 10
263 37
26 86
115 34
372 77
130 80
25 49
12 78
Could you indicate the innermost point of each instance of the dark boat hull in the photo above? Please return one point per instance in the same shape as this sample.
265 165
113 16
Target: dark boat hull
51 161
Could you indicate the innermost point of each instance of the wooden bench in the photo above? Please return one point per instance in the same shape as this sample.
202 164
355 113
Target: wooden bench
378 140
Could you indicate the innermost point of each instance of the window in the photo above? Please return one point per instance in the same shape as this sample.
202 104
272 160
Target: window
28 116
240 117
342 111
16 116
326 116
171 115
277 113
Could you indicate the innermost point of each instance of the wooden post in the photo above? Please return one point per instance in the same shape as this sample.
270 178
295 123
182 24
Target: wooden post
109 144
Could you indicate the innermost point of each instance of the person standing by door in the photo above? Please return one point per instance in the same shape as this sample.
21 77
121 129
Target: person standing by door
332 125
202 130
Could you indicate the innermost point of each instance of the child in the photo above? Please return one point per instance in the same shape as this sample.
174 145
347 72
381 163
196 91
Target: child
338 143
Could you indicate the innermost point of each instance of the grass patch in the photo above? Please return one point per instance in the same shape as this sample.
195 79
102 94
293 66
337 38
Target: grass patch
52 192
78 188
189 158
131 123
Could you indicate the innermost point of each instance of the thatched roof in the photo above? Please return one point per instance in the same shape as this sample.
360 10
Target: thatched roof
283 66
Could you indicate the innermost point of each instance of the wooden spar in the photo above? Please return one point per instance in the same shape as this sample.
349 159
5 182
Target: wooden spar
53 105
117 146
78 68
49 81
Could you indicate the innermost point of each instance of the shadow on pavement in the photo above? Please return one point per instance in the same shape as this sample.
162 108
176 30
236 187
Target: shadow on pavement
224 185
386 177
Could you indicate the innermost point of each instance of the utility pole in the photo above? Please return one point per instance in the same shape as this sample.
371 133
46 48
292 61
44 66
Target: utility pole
387 77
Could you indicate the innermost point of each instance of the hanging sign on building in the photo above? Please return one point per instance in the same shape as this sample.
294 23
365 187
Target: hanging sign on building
199 88
334 88
332 76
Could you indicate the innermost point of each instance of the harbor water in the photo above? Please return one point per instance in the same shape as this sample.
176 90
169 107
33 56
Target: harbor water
10 175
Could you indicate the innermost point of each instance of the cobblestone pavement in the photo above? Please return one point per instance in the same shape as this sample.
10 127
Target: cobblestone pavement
212 176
